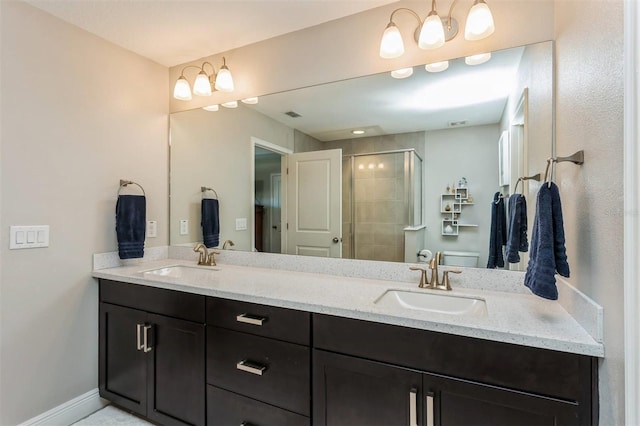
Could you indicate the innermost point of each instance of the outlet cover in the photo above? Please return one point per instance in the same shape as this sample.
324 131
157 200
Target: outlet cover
152 229
241 224
184 227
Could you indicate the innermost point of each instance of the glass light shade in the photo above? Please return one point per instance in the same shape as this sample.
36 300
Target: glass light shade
437 66
250 101
211 108
479 22
181 90
230 104
224 80
402 73
432 32
391 45
477 59
202 86
358 132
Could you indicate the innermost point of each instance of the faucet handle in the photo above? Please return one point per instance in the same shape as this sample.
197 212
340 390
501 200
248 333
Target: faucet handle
445 277
211 260
423 276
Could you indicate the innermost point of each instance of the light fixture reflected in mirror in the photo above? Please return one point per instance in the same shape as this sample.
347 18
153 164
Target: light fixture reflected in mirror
437 66
212 108
230 104
357 132
250 101
402 73
478 59
434 31
204 83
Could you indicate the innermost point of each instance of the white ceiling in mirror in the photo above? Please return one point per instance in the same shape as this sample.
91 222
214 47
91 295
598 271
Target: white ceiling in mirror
173 32
381 105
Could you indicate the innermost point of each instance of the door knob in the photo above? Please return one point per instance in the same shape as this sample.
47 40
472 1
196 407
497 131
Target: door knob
336 240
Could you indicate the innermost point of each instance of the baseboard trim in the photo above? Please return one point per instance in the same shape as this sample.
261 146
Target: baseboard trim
71 411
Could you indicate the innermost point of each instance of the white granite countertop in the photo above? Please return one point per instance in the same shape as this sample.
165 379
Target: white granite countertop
516 318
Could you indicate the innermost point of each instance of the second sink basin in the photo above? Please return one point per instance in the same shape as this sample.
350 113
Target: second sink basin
430 302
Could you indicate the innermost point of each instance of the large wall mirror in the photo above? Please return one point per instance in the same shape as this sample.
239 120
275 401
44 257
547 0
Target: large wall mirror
375 168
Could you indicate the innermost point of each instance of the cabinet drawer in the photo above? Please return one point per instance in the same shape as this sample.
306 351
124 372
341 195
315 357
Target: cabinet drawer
268 321
284 380
228 408
171 303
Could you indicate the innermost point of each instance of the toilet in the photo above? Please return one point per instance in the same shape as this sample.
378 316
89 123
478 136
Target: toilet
460 258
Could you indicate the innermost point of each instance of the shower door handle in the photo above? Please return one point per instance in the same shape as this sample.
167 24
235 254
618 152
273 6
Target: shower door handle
336 240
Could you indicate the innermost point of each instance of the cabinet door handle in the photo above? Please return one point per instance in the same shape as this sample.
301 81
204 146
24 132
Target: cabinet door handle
145 339
251 319
250 367
431 421
413 407
139 336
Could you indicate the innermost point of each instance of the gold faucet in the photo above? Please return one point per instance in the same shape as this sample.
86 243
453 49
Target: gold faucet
435 283
206 257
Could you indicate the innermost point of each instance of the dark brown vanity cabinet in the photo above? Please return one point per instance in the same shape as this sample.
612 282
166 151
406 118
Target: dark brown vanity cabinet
258 364
152 352
377 374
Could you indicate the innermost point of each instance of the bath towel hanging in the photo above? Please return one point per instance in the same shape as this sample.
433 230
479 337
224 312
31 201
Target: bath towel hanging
498 232
517 240
210 219
130 222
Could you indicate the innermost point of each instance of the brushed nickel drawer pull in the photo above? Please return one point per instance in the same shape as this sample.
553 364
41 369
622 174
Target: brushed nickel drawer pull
145 339
413 407
251 319
250 367
431 421
138 336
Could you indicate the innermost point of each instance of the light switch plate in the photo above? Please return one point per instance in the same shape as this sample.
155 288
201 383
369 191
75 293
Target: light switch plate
184 227
31 236
241 224
152 229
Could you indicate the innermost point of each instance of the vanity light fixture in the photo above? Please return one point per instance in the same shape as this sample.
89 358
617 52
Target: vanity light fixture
478 59
230 104
437 66
250 101
434 31
204 83
402 73
211 108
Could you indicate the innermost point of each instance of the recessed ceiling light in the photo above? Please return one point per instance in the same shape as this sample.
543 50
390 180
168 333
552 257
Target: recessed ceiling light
477 59
437 66
402 73
211 108
250 101
358 132
230 104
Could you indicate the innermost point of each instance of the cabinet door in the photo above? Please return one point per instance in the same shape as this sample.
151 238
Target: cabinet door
176 373
353 391
122 366
453 402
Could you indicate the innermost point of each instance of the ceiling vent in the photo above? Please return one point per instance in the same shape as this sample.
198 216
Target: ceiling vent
458 123
293 114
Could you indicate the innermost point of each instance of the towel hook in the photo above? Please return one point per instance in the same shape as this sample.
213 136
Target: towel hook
575 158
204 189
523 178
124 183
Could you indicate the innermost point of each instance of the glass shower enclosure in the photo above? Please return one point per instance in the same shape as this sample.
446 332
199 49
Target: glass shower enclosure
382 195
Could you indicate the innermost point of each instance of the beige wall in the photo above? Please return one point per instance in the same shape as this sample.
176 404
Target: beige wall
214 149
589 112
78 114
319 54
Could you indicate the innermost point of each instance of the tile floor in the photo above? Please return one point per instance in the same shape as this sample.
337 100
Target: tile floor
112 416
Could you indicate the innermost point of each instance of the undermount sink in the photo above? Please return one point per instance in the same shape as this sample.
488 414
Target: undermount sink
431 302
181 271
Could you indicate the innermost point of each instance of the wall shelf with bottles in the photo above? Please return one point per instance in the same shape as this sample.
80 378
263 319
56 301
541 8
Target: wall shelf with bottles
451 205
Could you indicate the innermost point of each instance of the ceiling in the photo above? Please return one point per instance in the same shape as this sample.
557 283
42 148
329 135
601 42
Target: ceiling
172 32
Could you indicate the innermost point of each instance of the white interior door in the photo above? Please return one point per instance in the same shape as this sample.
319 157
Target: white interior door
275 225
314 203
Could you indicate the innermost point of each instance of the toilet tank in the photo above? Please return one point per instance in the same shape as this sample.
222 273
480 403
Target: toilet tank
460 258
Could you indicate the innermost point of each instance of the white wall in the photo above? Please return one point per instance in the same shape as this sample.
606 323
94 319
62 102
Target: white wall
77 115
589 113
213 149
451 154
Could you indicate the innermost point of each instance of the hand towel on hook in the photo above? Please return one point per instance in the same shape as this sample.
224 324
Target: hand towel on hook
131 212
210 221
548 252
517 235
497 233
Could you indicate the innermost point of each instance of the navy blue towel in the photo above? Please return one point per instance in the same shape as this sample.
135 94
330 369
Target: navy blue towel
517 236
210 221
131 217
548 252
498 232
